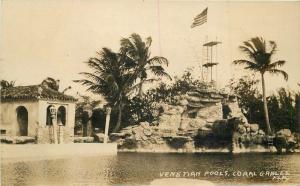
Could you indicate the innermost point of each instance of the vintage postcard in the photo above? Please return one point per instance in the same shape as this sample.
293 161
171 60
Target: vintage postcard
150 92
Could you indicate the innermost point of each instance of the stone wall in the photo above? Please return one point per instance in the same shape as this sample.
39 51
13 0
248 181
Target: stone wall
44 134
68 135
198 123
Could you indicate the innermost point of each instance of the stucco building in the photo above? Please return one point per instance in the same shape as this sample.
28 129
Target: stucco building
25 111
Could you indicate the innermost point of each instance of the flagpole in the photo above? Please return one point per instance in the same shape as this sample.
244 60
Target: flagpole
200 19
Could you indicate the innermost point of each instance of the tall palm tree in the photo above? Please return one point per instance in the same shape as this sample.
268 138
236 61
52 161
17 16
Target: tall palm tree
259 60
110 78
140 60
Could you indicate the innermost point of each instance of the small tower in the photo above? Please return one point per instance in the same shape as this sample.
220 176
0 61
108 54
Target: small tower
210 53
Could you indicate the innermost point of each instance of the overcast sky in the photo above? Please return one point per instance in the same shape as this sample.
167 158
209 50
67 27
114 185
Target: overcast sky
54 38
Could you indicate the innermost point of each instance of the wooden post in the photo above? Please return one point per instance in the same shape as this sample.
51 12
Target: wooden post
108 111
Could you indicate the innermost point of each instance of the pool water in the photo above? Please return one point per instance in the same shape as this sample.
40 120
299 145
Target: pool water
143 168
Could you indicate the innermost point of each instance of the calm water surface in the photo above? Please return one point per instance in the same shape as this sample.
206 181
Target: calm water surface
142 168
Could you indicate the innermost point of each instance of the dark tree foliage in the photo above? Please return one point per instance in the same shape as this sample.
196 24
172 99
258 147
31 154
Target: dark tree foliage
180 86
249 98
6 84
51 83
81 116
282 109
139 109
297 107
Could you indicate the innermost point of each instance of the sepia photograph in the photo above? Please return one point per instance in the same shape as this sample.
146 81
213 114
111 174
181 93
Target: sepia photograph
149 93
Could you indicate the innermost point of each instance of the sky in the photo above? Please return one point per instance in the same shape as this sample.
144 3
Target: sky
54 38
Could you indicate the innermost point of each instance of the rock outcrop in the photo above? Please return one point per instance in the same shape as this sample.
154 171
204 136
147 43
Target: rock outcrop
284 139
204 119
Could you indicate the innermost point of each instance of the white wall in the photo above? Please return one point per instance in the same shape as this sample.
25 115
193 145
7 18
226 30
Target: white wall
37 111
70 111
9 117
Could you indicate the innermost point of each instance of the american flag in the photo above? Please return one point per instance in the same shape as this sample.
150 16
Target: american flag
200 19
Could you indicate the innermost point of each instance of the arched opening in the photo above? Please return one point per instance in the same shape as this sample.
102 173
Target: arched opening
98 120
61 115
48 116
22 118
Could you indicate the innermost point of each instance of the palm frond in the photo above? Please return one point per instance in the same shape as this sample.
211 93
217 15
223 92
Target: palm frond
159 71
158 60
248 51
92 76
137 85
249 46
280 72
273 46
148 42
249 64
276 64
137 41
127 47
259 44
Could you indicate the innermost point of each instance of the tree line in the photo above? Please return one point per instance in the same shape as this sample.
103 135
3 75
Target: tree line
119 76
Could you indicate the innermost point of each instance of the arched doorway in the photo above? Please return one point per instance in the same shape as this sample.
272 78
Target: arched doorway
22 118
48 116
61 115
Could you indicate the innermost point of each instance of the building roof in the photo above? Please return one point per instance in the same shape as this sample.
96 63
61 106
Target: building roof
33 92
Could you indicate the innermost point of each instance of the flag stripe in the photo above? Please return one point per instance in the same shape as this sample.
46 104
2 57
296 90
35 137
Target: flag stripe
199 23
200 19
202 14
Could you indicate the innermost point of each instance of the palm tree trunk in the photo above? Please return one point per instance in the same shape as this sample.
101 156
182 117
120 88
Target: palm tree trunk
117 127
269 131
139 114
141 89
297 105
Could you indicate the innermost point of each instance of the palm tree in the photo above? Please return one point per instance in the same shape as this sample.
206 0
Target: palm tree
259 60
140 60
110 78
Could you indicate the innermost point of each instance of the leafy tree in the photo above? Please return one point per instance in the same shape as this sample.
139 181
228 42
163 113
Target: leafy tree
297 107
180 86
145 108
282 110
185 83
141 62
281 104
259 60
141 109
6 84
249 98
51 83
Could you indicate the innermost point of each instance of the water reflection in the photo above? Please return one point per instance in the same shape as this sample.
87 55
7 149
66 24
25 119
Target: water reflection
142 168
